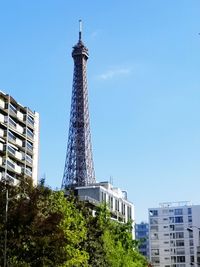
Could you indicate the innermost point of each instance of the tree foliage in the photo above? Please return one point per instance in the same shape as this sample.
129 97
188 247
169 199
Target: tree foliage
44 228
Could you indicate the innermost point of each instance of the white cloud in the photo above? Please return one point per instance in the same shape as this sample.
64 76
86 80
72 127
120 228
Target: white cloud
113 73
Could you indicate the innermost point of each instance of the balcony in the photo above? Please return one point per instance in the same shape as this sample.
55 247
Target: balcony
14 152
27 171
2 103
13 166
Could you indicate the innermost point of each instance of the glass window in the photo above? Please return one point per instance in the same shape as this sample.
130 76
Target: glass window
189 210
13 108
180 258
30 120
153 221
179 235
178 211
180 243
153 212
179 219
29 146
190 234
12 123
189 218
10 164
29 133
11 150
179 227
11 136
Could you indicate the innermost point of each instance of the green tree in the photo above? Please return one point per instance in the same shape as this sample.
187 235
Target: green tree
44 229
110 243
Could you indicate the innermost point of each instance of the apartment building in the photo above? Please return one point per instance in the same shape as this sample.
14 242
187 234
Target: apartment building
121 208
174 234
142 235
19 141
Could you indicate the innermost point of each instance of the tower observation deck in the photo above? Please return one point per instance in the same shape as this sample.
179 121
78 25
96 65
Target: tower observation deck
79 167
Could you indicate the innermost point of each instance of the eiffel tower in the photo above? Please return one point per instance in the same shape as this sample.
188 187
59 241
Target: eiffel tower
79 167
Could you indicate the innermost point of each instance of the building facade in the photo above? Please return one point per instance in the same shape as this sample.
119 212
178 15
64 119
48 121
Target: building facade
142 235
121 209
19 141
174 234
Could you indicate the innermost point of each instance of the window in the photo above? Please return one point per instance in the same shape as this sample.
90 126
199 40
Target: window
29 133
178 211
180 235
13 108
191 242
154 227
180 258
155 260
29 146
129 213
11 150
11 136
180 243
190 234
189 218
12 122
153 221
30 120
180 251
172 235
28 171
179 227
155 252
10 164
179 219
172 227
189 210
153 212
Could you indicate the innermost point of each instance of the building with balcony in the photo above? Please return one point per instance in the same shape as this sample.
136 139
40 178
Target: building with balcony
174 234
142 235
19 141
120 208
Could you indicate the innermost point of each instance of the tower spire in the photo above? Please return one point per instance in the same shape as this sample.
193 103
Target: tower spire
79 169
80 29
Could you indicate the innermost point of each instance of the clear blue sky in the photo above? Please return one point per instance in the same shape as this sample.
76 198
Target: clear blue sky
144 88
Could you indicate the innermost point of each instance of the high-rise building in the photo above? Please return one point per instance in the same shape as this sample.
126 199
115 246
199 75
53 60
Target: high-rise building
19 141
174 234
142 235
79 169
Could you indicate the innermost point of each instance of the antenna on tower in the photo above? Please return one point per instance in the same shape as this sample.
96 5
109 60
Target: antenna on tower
80 29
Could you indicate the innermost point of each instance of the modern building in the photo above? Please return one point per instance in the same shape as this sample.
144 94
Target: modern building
121 209
19 141
142 235
174 234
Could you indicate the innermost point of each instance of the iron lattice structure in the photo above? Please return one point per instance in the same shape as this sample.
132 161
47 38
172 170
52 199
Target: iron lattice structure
79 167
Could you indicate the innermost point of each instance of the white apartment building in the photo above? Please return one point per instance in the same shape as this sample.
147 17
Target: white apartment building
174 234
121 209
19 141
